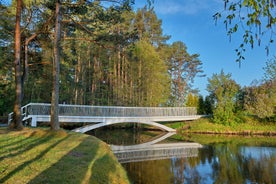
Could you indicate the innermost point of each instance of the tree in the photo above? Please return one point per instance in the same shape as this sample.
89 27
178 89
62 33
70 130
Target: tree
192 100
56 68
153 83
208 105
183 68
259 99
26 29
17 121
108 55
270 70
7 83
223 89
201 105
255 18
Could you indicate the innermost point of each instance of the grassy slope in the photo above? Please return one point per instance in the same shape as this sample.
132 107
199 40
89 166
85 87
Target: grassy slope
40 156
204 125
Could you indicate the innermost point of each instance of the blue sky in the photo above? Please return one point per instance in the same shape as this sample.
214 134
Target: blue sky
191 22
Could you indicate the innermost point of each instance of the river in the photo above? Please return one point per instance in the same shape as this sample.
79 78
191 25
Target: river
220 159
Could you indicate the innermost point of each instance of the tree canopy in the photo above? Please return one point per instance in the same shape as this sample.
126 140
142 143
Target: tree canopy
109 55
223 90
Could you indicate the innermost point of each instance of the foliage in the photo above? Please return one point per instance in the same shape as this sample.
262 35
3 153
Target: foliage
192 100
6 75
183 68
251 126
204 106
223 90
201 105
154 75
255 18
208 105
270 69
260 99
110 55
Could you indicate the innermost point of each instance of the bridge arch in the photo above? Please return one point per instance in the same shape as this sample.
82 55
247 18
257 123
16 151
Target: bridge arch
110 122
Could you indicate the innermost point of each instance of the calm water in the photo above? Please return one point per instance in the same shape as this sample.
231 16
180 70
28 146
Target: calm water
221 160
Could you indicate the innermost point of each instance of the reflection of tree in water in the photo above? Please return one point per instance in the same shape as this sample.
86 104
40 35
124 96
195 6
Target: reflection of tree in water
207 154
185 171
226 164
220 162
260 170
150 172
231 165
178 167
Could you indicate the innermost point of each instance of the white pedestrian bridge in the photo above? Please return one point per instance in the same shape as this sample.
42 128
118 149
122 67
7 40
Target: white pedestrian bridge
99 116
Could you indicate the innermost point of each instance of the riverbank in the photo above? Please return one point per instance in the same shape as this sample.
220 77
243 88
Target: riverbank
37 155
205 126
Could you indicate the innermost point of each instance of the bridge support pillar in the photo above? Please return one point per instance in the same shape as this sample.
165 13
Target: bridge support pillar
34 121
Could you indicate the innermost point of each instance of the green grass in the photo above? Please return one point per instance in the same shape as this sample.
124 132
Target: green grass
208 139
204 125
41 156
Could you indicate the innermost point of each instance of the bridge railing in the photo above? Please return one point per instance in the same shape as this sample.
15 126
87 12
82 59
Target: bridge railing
107 111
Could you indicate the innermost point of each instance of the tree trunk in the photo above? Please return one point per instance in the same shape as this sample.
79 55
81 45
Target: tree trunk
17 121
77 81
55 92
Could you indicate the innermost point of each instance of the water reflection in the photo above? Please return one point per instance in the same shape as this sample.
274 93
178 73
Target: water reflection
231 163
144 152
221 160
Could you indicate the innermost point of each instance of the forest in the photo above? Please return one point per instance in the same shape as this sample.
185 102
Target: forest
111 54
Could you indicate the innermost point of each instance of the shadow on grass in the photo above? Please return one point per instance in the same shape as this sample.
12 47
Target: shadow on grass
4 140
89 162
26 164
21 145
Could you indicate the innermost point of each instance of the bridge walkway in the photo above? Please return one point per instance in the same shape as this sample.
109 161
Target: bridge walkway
99 116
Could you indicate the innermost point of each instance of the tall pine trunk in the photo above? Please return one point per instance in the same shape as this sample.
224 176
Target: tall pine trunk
55 92
17 121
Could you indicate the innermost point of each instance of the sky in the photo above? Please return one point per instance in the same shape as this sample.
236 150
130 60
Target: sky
191 22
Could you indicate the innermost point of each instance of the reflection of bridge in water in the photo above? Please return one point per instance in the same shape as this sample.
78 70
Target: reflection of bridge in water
153 151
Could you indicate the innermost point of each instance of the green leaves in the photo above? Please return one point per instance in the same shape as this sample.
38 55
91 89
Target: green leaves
254 18
153 78
270 69
183 67
259 100
223 90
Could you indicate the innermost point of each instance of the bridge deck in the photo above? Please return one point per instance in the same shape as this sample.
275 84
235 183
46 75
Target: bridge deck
107 115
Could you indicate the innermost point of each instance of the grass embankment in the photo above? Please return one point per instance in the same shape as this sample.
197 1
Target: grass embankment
208 139
205 126
41 156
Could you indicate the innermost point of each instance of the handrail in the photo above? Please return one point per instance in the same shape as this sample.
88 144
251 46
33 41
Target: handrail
105 111
110 111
